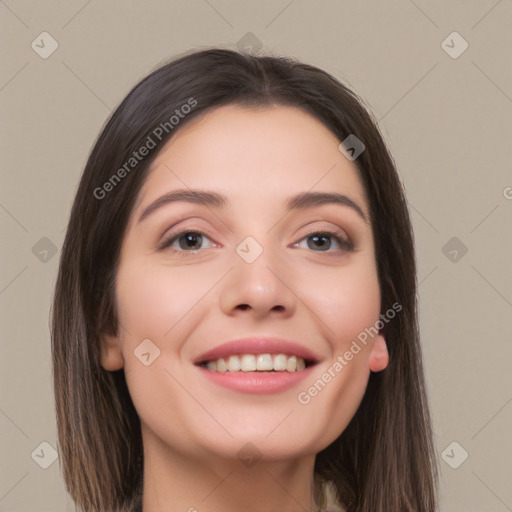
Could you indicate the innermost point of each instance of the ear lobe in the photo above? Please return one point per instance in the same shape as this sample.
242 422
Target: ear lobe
111 357
379 357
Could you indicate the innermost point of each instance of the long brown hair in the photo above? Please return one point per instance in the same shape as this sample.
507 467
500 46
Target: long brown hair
384 461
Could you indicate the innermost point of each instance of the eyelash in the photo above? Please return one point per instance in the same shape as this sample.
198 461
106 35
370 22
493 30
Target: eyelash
345 245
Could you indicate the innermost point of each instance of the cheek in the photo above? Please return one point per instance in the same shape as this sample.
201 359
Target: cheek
347 301
159 303
152 298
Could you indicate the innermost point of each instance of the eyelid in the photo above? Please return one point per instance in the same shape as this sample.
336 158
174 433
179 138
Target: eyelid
326 226
186 222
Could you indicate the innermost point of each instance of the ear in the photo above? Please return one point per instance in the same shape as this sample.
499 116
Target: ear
111 358
379 357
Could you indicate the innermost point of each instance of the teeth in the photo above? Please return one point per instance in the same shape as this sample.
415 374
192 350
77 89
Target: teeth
234 363
248 363
221 365
291 364
257 362
279 362
264 363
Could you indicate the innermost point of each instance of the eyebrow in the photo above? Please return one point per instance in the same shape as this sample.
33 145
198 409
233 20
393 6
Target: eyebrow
300 201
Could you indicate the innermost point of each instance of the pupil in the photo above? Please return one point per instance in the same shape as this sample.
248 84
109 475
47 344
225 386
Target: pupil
316 238
190 239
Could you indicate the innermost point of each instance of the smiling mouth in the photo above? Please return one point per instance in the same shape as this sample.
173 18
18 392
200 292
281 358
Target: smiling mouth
247 363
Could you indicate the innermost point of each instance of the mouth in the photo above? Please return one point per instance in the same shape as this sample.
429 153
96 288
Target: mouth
258 365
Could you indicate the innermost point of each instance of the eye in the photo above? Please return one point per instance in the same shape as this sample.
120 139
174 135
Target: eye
322 240
187 241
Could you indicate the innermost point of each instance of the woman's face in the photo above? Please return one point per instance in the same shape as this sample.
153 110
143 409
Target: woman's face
257 269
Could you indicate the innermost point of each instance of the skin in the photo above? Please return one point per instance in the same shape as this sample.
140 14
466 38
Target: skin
188 302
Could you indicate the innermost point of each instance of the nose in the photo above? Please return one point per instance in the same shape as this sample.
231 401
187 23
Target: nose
260 289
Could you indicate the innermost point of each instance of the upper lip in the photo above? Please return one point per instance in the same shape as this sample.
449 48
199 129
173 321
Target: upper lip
258 345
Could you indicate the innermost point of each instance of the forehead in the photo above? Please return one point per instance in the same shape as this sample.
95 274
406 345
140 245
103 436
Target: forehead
253 153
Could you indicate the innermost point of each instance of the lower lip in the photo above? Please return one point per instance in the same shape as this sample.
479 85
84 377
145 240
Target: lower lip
257 382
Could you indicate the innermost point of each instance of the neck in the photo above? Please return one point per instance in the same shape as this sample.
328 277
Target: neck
180 482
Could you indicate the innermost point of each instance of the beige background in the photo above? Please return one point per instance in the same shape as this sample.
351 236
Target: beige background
447 120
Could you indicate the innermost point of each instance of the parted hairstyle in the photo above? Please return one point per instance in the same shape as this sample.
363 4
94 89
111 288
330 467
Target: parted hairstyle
384 461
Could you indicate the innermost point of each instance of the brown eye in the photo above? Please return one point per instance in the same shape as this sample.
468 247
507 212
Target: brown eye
322 241
187 241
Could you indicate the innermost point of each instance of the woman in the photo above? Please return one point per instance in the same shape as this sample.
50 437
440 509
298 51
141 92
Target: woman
234 324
